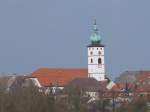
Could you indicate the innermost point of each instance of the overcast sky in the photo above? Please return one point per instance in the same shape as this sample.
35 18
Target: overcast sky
55 33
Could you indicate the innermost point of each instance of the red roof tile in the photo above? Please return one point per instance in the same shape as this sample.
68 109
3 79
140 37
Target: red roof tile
59 76
143 75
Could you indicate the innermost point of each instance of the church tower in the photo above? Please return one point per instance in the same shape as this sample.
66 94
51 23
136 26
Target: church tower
96 65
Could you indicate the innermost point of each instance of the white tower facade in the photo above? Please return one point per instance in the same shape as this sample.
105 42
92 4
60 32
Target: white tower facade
96 63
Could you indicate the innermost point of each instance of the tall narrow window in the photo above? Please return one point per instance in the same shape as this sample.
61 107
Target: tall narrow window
91 53
99 61
91 60
99 52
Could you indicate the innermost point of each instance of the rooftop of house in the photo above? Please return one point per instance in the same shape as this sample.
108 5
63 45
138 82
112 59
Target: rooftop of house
58 76
138 81
12 82
87 84
132 76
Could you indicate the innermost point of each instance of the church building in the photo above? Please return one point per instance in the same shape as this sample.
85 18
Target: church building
96 63
62 76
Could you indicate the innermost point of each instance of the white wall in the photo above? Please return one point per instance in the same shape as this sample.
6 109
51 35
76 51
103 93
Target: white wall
96 70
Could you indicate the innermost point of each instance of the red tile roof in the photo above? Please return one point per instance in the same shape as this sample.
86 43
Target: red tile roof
144 81
59 76
143 75
143 88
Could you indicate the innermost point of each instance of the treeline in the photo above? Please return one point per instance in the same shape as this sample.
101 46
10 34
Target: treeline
138 105
71 99
30 99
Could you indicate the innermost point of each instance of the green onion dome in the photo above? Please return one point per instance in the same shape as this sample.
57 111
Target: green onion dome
95 36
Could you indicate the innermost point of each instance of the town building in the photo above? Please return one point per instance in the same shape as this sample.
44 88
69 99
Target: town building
137 82
92 80
96 63
50 77
61 76
12 83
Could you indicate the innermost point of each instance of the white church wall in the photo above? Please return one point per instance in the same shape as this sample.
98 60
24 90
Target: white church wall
96 69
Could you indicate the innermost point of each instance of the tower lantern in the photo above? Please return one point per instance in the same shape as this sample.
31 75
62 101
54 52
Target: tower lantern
96 65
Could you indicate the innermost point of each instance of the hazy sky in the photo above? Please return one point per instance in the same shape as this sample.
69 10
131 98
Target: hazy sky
55 33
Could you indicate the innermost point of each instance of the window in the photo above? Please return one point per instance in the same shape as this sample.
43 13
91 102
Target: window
99 52
91 60
99 61
91 53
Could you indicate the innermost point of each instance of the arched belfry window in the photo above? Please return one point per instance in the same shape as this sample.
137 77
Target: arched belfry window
91 60
99 61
